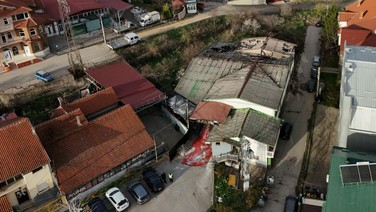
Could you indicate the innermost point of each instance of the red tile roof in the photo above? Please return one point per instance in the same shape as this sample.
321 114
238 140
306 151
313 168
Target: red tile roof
130 86
80 6
60 126
90 104
353 36
345 16
370 41
97 147
5 205
17 10
365 7
20 147
211 111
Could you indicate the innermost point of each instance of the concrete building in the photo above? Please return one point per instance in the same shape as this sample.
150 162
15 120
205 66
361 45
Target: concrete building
357 126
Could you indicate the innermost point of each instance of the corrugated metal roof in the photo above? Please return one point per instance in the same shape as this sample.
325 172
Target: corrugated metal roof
348 198
261 128
201 74
231 128
363 119
360 79
266 85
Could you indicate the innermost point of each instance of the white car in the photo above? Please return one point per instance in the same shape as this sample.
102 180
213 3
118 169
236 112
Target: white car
117 199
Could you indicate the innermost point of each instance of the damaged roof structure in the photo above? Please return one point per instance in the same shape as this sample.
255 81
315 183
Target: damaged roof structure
251 78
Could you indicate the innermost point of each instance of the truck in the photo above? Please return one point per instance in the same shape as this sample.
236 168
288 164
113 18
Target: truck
149 18
126 40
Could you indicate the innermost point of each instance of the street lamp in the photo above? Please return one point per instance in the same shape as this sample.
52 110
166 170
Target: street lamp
102 26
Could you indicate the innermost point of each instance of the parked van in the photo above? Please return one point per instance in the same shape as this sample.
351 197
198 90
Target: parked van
149 18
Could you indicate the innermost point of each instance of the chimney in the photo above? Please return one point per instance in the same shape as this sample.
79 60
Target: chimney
78 121
61 101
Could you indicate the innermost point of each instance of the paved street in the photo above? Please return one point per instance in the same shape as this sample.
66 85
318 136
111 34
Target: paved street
289 153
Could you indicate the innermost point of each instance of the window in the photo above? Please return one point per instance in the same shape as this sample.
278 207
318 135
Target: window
21 33
100 179
20 16
217 143
37 169
36 47
15 50
32 32
6 22
9 35
94 182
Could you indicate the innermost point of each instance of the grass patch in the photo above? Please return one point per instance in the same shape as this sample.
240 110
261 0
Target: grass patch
330 96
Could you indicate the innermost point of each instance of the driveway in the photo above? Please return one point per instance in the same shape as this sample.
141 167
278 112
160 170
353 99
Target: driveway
298 109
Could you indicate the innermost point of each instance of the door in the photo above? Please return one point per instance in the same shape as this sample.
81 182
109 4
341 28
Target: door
27 50
7 54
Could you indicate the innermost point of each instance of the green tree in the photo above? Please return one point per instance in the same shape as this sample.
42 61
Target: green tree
166 11
329 32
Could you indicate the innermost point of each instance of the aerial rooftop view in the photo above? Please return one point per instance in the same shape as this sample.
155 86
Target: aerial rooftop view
187 105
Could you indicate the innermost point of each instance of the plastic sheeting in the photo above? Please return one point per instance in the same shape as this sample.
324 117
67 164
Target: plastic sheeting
200 153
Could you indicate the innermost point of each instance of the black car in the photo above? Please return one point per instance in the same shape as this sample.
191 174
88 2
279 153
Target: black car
285 131
311 85
139 192
153 180
314 73
97 205
291 204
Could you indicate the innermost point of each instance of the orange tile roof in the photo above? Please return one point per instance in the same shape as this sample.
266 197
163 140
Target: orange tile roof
90 104
369 24
370 41
353 36
20 147
97 147
368 7
211 111
5 205
345 16
60 126
18 10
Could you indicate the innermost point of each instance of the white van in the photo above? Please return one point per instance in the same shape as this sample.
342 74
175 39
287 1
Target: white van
131 38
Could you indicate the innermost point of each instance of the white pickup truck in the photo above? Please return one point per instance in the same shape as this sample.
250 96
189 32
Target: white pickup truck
126 40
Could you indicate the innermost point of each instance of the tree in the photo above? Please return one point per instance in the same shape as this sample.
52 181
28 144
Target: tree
329 32
166 11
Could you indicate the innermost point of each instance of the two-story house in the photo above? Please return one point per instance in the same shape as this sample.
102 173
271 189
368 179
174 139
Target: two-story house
25 171
22 31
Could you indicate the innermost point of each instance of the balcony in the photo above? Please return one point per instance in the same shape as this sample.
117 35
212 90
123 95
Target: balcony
5 28
12 41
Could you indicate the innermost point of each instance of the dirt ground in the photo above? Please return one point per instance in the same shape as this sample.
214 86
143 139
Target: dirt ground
324 138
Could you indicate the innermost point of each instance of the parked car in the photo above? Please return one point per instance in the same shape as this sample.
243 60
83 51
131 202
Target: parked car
311 85
291 204
139 192
286 130
97 205
153 180
117 199
316 61
44 76
314 72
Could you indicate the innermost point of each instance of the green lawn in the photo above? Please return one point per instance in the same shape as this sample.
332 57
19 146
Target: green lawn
330 96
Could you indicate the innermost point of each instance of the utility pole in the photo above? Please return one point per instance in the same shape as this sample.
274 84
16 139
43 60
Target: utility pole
74 56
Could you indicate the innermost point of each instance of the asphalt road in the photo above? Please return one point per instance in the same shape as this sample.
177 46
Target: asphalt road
289 153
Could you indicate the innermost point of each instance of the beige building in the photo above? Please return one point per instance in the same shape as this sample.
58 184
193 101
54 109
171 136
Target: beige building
25 172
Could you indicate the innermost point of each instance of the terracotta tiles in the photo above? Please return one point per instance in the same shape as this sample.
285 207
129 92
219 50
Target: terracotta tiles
99 146
20 147
90 104
5 205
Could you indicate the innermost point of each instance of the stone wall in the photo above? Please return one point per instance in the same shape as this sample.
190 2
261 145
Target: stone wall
20 95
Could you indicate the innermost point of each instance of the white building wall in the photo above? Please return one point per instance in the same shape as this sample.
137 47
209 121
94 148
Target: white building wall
42 179
342 24
240 104
260 151
220 148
